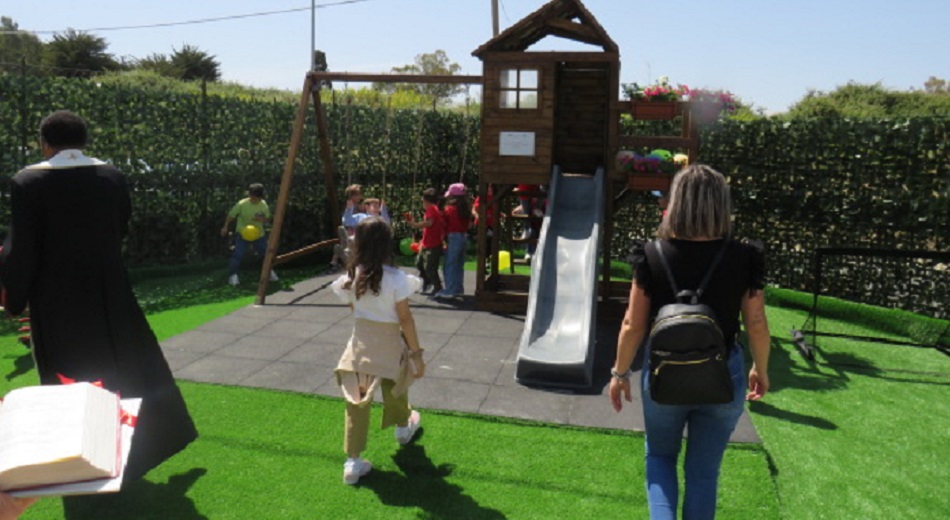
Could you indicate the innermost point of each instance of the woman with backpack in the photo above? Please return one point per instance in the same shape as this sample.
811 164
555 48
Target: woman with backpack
693 249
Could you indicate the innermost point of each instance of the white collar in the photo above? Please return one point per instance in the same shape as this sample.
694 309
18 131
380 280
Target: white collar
69 158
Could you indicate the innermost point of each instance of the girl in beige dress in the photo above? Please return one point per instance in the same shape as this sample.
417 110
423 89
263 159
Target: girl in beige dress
384 349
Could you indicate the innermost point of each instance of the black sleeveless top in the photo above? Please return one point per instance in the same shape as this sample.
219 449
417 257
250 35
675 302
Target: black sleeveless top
741 270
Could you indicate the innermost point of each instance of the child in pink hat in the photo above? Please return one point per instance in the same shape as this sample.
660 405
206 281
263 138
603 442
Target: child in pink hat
456 216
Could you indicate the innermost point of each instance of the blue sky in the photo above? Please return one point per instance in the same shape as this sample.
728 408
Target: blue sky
769 53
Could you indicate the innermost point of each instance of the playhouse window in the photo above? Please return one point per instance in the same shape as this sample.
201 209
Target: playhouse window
519 88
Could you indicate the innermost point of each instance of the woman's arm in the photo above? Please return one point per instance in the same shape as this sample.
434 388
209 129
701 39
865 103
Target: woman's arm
632 330
408 325
757 328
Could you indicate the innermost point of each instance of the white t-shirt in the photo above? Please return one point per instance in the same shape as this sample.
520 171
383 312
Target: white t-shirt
395 286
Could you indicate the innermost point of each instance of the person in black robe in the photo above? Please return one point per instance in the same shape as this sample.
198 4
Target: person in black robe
63 259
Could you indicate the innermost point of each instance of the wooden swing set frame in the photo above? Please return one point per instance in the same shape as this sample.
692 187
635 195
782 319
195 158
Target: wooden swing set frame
311 91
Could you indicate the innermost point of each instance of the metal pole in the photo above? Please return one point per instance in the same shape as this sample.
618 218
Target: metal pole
313 34
494 17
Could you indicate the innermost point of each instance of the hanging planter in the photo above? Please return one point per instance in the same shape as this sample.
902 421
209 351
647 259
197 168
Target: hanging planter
653 110
653 172
650 181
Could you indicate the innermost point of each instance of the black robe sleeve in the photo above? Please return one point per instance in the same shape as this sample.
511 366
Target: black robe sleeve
20 250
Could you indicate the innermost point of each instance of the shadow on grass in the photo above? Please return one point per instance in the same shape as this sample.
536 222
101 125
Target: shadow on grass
422 484
851 364
788 373
21 365
833 370
140 500
766 409
829 372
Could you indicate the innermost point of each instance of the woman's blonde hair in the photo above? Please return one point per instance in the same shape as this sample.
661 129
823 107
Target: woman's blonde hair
700 205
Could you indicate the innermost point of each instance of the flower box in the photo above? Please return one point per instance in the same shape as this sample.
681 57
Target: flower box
650 181
653 110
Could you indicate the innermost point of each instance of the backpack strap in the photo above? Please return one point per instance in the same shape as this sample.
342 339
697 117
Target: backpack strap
702 285
666 268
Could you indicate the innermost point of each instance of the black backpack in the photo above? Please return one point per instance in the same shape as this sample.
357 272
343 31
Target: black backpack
688 353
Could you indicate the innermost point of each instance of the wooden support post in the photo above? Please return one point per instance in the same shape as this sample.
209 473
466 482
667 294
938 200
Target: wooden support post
311 88
274 239
326 157
482 247
610 164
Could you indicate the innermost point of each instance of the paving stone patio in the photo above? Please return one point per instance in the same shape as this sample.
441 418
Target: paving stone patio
294 340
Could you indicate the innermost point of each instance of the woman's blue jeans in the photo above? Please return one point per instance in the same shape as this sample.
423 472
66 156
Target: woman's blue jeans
708 428
454 267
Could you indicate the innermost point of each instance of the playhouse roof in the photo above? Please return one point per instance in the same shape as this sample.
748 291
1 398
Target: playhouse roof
563 18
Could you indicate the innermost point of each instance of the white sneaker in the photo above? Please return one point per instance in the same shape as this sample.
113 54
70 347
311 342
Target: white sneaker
404 434
273 276
233 279
353 469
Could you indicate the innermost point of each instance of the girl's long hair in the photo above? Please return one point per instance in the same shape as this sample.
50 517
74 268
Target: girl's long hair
461 203
372 250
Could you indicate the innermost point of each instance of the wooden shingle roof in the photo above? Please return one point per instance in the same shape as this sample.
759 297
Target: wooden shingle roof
563 18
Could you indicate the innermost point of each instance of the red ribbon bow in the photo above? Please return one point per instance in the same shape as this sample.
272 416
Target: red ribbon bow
124 417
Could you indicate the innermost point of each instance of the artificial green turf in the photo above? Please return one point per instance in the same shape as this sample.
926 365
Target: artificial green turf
858 433
173 287
269 454
861 431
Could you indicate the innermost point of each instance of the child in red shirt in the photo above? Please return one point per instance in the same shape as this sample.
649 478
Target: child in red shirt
457 217
430 248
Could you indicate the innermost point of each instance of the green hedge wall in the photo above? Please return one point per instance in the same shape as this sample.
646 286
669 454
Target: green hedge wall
801 184
798 184
876 183
189 158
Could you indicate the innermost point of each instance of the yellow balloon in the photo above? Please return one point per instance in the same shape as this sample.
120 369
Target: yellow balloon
250 232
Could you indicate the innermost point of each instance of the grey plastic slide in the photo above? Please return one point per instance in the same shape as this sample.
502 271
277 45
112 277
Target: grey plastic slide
557 344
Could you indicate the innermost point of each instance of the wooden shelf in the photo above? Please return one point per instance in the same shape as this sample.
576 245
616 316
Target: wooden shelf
655 141
687 140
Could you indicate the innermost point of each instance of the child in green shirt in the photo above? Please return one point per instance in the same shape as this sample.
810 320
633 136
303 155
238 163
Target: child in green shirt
251 212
